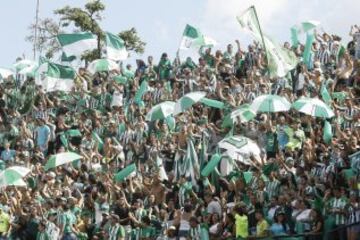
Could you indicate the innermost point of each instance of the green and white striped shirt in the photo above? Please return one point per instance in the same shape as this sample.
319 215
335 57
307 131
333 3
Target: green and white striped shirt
339 203
272 188
116 231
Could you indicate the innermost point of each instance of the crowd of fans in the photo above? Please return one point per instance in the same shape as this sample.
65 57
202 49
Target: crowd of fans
308 187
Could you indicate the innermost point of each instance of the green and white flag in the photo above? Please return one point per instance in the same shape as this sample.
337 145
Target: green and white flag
280 60
191 167
301 28
115 47
74 44
102 65
193 38
55 77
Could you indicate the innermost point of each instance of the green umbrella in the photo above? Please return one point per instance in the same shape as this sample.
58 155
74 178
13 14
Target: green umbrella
12 176
124 173
243 112
61 159
187 101
102 65
270 103
313 107
160 111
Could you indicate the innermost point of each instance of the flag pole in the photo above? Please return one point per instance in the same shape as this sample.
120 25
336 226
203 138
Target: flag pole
36 27
263 42
262 37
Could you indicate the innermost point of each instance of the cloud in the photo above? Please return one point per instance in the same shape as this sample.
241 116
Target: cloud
277 16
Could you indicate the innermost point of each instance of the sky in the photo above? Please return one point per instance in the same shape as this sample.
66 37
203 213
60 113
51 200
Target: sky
160 23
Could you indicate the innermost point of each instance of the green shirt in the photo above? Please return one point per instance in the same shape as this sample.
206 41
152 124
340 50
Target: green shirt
67 219
147 232
42 236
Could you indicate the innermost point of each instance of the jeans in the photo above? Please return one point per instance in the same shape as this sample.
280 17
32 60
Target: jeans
69 236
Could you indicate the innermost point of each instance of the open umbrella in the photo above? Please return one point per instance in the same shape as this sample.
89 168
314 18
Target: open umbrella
160 111
270 103
313 107
102 65
244 113
29 71
60 159
187 101
240 148
5 73
11 176
19 65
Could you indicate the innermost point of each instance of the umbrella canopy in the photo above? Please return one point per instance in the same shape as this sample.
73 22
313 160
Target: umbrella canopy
5 73
240 148
61 159
12 175
270 103
160 111
19 65
29 70
187 101
102 65
244 113
313 107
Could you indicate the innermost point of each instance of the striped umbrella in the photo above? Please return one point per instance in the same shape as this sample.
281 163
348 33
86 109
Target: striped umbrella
19 65
61 159
5 73
29 71
102 65
160 111
313 107
270 103
243 112
186 101
12 176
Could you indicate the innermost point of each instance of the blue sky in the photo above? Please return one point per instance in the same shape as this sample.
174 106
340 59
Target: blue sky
160 22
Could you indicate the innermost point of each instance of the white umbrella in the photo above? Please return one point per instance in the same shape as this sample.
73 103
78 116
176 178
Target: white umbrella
270 103
186 101
313 107
19 65
12 175
160 111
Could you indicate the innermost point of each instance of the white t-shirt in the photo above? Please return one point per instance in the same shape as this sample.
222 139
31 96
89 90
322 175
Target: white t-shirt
117 99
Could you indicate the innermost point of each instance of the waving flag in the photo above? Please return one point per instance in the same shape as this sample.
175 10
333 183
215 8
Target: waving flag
193 38
74 44
280 60
115 47
55 77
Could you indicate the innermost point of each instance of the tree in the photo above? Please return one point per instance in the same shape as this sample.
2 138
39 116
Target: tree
46 41
85 19
132 40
